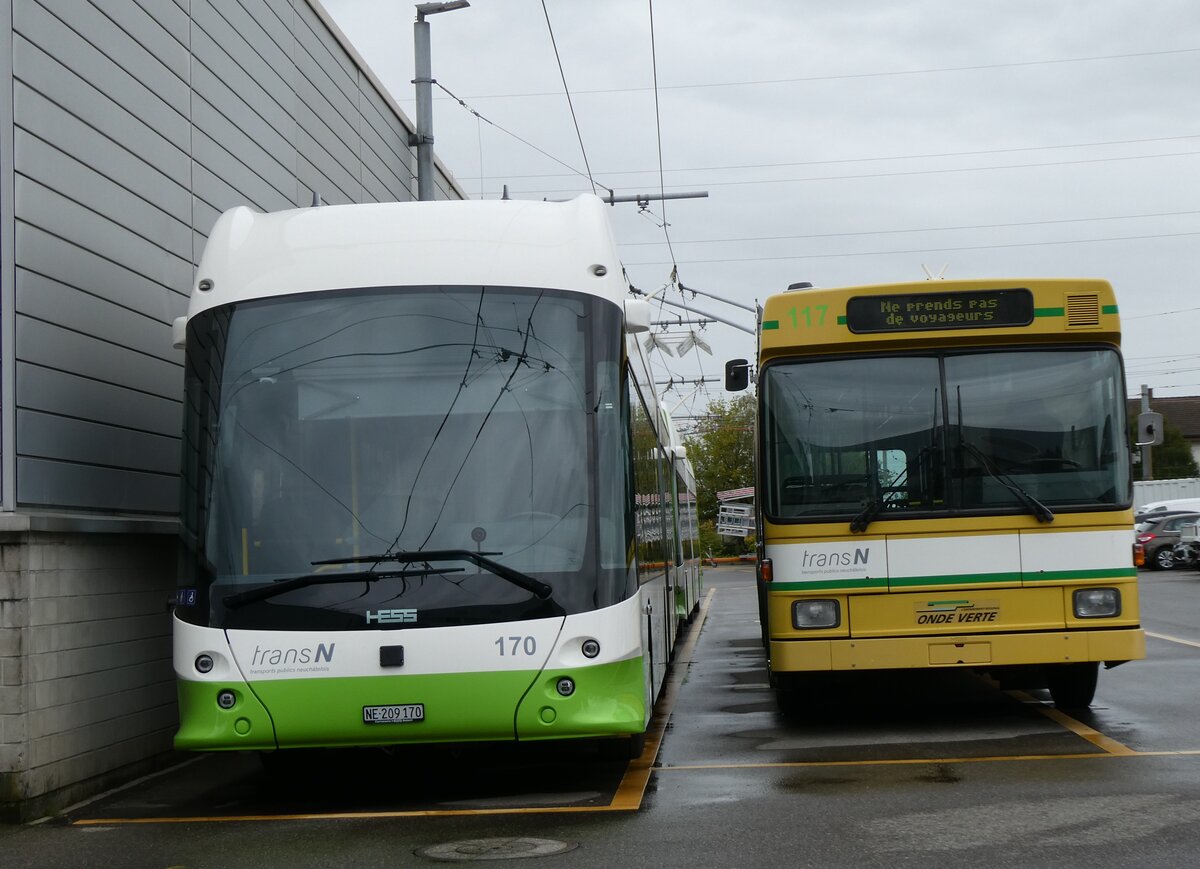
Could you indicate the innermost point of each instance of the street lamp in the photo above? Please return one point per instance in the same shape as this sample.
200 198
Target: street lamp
424 84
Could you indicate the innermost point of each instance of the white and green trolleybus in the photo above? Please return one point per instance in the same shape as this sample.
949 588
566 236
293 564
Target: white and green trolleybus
428 492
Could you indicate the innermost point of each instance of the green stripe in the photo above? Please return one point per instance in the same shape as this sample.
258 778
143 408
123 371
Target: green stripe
955 579
1061 575
1011 577
1049 312
770 324
1109 309
841 319
848 584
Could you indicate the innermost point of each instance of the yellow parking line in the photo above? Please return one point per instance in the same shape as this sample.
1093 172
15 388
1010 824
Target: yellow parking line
906 761
1183 642
1105 743
917 761
633 785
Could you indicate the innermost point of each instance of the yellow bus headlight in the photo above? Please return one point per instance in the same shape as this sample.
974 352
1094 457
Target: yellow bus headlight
1097 603
810 614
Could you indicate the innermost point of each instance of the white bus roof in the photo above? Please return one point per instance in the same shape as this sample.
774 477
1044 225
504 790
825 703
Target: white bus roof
553 245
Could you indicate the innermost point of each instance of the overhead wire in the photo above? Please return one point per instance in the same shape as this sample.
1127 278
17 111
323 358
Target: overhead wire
927 249
567 91
522 140
658 131
840 76
914 172
674 278
917 229
882 158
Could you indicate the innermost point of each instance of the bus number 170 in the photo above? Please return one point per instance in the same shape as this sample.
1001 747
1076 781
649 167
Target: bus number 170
516 645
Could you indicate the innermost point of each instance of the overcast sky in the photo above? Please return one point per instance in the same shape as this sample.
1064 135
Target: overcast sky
841 143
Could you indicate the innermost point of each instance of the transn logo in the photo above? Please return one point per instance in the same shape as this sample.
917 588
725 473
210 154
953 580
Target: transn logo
835 559
391 617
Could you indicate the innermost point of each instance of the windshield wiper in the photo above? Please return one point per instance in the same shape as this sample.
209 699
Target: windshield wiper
263 592
1036 507
870 510
516 577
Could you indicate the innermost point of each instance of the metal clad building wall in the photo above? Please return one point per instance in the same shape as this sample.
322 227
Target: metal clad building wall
135 125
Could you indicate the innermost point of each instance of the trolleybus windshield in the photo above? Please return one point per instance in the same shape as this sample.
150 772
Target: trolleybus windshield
325 431
893 436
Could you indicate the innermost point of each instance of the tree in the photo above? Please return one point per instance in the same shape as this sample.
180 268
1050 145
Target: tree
721 450
1170 460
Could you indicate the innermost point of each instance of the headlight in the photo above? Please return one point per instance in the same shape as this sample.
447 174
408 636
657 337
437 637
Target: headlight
810 614
1097 603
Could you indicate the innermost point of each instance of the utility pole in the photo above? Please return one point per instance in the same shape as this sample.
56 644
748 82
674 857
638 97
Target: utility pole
423 138
1147 446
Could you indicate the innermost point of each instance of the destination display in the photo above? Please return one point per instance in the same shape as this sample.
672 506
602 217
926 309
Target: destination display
918 312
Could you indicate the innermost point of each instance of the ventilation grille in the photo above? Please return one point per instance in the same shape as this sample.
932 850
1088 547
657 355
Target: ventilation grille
1083 311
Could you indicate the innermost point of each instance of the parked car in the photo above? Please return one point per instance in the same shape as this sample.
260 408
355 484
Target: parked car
1159 536
1144 523
1158 509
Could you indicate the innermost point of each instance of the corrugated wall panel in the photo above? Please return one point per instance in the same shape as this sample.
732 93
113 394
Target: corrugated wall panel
164 110
136 123
219 143
264 81
99 402
69 177
171 17
131 40
131 171
58 259
51 484
52 437
40 206
80 99
325 153
45 299
49 345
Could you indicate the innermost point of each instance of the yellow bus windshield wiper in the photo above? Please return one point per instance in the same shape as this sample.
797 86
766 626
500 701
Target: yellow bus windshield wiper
1036 507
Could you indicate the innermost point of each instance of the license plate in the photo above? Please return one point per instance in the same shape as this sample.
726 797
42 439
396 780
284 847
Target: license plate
404 713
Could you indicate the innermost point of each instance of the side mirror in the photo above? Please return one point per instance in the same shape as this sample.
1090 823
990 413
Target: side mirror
179 333
1149 429
737 375
637 316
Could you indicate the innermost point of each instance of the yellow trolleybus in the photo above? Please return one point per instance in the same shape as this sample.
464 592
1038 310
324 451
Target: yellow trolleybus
943 481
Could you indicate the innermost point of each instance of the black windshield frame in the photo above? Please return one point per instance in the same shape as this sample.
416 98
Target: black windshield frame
393 379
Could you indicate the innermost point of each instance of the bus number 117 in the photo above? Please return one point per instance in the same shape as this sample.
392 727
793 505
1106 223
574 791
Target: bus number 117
807 313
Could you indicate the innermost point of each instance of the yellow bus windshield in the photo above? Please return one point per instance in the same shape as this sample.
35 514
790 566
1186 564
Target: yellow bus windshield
937 432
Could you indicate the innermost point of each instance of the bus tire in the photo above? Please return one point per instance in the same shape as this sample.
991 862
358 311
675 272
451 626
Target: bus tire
1072 686
788 695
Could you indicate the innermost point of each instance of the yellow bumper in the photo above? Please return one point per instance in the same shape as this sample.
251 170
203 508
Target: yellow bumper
992 650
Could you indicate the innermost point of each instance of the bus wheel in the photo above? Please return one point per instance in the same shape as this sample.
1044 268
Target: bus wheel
788 694
1072 686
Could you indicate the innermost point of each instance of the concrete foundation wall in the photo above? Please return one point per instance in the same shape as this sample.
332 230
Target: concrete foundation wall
87 691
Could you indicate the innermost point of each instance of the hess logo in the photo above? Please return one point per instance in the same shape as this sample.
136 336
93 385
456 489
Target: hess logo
391 617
